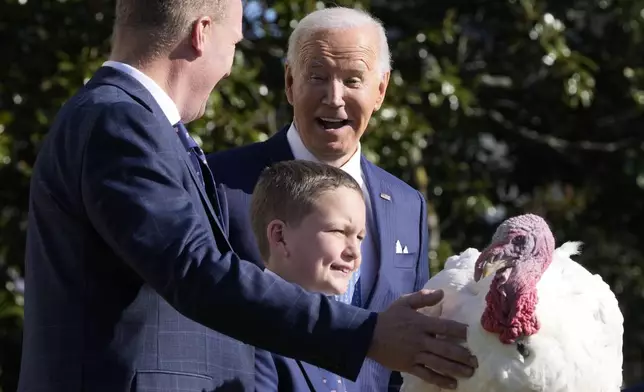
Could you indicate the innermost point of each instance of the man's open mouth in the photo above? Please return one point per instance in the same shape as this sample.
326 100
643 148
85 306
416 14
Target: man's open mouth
331 123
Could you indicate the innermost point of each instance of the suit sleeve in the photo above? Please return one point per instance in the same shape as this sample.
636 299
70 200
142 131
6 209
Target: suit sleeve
422 274
134 198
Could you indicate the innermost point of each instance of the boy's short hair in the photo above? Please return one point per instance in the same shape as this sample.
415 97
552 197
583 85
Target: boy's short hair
287 191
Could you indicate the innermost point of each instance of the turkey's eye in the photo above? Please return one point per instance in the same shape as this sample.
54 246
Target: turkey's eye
518 240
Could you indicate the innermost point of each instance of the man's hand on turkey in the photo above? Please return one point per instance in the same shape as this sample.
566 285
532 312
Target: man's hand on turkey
406 340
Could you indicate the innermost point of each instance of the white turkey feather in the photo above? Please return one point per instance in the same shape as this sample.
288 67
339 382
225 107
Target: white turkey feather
577 348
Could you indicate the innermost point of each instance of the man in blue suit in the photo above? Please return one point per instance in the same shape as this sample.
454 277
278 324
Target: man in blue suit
336 77
129 271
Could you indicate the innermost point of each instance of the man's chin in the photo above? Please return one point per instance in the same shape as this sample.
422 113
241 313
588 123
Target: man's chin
202 109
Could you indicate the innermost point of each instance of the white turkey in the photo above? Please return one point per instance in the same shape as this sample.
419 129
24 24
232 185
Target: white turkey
538 321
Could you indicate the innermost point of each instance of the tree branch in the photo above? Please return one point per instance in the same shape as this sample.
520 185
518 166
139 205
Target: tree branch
556 143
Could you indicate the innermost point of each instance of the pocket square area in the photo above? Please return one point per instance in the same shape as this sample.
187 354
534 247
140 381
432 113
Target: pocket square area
400 249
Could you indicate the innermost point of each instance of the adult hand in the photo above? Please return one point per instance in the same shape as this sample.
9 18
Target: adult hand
408 341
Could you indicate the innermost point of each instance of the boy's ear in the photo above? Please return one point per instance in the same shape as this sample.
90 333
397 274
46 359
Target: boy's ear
276 238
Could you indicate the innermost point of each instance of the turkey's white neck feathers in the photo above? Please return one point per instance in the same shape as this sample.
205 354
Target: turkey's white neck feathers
568 249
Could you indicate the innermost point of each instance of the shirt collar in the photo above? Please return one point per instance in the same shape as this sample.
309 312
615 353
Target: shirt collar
352 166
164 101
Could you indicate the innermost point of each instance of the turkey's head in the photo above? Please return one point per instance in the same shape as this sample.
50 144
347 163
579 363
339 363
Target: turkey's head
521 250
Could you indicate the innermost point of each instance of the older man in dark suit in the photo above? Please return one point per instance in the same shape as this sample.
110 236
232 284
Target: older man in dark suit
336 77
131 282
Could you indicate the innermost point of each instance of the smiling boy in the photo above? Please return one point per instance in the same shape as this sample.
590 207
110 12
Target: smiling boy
309 221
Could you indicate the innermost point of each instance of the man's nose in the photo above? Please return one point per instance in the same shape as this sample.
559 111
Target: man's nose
334 96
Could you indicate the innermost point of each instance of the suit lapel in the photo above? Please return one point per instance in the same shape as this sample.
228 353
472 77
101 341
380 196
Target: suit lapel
277 148
203 195
223 204
382 207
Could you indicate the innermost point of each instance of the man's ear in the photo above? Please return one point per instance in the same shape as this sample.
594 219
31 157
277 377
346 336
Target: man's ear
199 35
288 83
382 90
275 232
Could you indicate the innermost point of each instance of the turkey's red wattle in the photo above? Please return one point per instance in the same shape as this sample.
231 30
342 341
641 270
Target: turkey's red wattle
512 315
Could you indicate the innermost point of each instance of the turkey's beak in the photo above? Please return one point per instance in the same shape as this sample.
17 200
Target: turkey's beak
491 266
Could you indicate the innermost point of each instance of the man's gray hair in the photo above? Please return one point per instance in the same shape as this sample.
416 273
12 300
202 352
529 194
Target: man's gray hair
337 18
161 23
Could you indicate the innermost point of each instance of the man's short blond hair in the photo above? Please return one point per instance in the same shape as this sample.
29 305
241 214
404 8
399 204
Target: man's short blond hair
162 23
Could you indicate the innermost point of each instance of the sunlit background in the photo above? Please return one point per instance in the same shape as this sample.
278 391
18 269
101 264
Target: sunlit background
494 108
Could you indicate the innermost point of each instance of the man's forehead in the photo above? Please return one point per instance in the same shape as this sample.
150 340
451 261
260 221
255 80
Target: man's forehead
317 62
351 49
341 39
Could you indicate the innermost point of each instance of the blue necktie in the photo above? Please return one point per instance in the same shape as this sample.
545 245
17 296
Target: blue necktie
198 159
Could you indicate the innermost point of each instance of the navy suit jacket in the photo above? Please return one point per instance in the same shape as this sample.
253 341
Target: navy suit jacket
635 388
400 217
129 270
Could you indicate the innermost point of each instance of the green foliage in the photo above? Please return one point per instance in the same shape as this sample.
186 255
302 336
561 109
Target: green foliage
494 108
